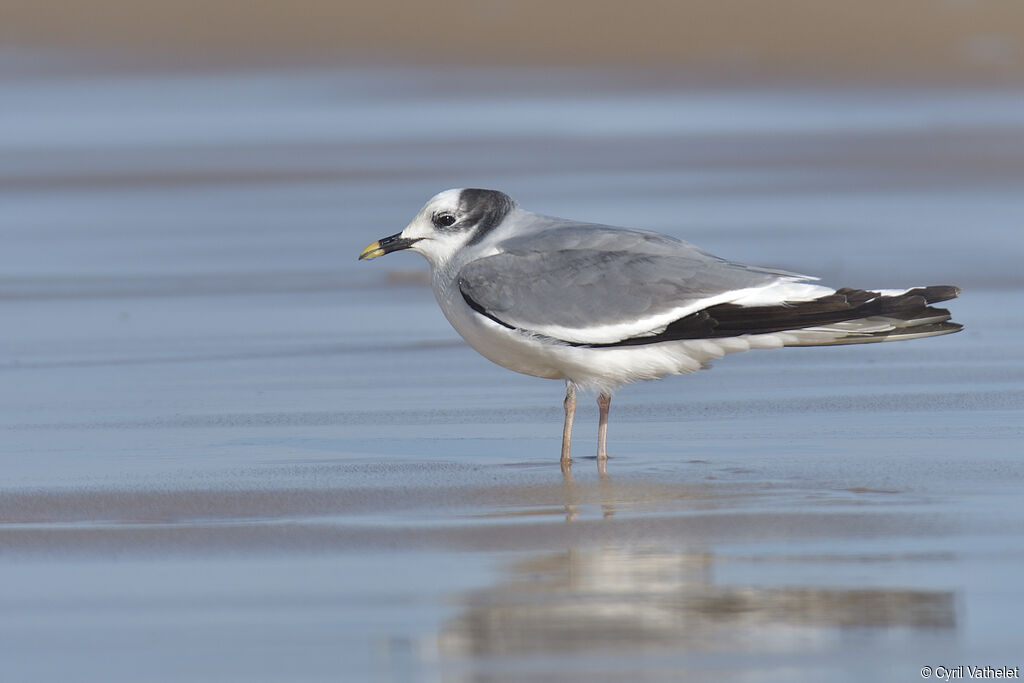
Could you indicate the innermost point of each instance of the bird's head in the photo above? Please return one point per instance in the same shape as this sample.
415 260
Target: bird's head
450 221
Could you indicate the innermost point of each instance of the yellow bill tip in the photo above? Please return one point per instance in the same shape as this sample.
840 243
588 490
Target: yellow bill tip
372 251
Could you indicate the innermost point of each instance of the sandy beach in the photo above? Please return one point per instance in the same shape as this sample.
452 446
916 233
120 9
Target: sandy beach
962 41
230 452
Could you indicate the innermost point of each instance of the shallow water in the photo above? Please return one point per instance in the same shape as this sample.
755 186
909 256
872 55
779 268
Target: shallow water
231 452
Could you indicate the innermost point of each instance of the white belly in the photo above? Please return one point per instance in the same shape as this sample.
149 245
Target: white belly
601 369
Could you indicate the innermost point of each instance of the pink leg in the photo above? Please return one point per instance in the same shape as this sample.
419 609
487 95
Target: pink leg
604 401
570 413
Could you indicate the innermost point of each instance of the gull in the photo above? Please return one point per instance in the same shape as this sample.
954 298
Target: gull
601 306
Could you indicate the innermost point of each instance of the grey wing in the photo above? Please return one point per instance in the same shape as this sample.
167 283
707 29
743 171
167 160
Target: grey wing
596 284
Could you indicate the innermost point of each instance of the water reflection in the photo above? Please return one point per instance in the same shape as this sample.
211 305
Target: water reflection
616 598
574 497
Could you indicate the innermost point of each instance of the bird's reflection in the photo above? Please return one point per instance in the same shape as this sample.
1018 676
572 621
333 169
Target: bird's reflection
619 597
573 496
606 599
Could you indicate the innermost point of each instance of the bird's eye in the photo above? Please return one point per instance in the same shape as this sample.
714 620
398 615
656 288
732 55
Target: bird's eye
444 220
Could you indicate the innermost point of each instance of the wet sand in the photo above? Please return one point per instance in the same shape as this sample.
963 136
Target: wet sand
230 452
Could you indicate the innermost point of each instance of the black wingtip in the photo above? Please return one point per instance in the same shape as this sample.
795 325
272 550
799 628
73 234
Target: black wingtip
935 293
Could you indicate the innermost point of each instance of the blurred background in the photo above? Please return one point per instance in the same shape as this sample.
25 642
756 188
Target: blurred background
317 126
231 452
934 40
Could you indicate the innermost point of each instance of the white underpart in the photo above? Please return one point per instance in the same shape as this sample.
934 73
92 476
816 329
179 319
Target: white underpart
603 370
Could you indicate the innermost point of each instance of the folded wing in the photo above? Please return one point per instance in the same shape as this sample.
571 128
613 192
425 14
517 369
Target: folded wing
598 285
